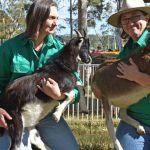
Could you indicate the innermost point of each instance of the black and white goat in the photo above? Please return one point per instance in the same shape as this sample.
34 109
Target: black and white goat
119 92
27 104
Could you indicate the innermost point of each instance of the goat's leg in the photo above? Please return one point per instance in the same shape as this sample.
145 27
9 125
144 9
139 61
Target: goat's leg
125 117
82 101
15 129
36 140
62 106
110 125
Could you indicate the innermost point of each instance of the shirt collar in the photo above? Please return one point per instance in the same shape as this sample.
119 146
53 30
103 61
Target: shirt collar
24 38
49 40
142 41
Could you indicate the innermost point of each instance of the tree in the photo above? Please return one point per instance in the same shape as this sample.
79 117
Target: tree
82 15
95 8
13 20
3 19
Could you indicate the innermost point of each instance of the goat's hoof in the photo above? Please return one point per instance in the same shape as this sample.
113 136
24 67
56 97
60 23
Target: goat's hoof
85 111
141 130
54 116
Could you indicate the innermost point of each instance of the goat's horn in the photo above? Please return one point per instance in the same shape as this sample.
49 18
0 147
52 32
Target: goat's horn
78 33
84 33
90 60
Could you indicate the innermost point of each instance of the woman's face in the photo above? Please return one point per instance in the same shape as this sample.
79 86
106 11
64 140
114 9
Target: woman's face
134 23
51 22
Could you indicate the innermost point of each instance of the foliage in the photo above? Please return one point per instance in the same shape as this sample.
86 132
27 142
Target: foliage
13 14
94 11
98 12
104 41
91 134
13 17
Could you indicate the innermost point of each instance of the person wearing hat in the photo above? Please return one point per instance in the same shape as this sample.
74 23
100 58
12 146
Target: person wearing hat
133 20
22 55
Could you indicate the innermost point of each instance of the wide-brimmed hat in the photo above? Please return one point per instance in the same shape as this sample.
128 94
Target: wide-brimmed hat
127 6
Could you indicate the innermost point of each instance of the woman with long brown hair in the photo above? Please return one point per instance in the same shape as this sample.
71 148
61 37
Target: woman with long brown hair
21 56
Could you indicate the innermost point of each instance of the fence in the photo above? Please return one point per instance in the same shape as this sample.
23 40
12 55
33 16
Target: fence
94 105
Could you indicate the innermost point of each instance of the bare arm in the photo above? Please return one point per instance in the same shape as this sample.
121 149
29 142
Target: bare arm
51 88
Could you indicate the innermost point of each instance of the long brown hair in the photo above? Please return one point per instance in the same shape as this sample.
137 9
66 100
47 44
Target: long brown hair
37 14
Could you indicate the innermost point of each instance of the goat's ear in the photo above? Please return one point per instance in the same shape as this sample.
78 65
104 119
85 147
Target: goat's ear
79 41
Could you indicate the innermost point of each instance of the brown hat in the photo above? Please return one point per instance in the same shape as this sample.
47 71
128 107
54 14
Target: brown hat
127 6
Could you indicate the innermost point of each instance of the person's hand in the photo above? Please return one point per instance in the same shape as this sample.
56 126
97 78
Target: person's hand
3 115
129 72
51 88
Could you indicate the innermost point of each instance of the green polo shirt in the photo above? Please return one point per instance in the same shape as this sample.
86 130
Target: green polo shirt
141 110
18 58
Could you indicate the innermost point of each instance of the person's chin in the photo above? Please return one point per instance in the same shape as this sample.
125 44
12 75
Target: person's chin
51 32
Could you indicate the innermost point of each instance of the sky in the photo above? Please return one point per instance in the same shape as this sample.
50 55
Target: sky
64 14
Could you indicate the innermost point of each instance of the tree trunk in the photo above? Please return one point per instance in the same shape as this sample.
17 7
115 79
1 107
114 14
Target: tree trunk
71 24
82 15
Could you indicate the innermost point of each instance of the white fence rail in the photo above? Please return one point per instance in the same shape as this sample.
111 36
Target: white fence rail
93 105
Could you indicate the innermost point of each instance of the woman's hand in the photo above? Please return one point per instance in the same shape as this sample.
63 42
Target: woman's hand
51 88
129 72
3 115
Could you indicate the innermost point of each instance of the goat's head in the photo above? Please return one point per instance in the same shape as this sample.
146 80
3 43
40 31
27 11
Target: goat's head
84 47
78 47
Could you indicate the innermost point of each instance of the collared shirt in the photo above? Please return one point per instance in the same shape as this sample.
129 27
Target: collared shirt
18 58
141 110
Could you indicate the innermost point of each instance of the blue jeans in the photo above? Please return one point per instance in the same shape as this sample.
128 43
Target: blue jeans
57 136
5 141
130 139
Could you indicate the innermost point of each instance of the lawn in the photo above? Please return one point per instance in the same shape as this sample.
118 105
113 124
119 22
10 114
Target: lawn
91 134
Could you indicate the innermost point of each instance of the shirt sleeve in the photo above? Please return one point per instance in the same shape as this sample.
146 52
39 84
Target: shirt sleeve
77 93
5 70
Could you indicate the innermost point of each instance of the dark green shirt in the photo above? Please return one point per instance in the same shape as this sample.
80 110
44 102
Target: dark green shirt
141 110
18 58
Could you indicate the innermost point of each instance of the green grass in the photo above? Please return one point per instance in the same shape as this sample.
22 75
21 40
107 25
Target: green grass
91 134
